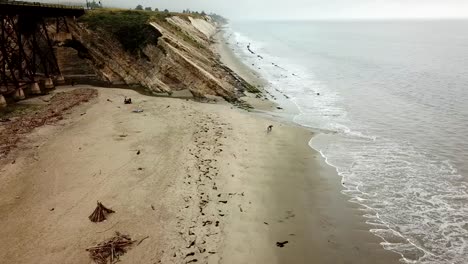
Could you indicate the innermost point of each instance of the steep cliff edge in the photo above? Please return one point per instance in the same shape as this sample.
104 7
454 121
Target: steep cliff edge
161 52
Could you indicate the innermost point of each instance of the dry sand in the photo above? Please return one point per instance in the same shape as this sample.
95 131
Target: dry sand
209 184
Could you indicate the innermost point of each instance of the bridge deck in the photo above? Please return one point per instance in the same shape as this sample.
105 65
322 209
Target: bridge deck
39 9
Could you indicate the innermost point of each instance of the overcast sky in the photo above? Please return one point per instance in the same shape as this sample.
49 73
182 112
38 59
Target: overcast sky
311 9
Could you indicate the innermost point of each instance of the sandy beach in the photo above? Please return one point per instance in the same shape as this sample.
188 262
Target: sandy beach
189 181
209 184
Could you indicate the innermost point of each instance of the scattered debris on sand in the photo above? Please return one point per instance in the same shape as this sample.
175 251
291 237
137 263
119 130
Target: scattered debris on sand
127 100
281 244
14 130
109 251
100 213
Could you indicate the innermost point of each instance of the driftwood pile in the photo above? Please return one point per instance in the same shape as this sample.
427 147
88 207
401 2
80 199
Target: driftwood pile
100 213
14 130
109 251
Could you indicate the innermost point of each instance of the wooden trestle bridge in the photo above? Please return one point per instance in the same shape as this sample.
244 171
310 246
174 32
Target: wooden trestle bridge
28 33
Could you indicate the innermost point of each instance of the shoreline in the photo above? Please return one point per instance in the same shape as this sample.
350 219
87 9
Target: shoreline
196 181
229 59
272 104
232 61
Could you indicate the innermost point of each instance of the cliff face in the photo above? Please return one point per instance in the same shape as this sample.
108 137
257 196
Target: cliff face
179 58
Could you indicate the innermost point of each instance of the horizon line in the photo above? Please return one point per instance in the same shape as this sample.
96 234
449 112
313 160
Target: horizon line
353 19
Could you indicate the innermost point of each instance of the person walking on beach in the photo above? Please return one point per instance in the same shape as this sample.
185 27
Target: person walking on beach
269 128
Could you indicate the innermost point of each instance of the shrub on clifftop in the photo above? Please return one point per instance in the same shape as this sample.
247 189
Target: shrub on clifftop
130 28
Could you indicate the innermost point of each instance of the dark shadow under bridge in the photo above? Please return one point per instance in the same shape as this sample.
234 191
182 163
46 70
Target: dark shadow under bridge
28 34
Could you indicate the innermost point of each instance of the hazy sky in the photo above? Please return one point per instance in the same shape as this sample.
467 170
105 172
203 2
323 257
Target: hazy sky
311 9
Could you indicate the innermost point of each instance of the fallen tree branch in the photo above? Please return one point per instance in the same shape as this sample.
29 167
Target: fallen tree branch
109 251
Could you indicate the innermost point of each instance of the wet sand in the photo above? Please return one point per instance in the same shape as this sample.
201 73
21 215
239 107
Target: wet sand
328 228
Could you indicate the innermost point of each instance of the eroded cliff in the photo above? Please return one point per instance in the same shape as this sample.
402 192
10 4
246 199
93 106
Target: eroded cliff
164 53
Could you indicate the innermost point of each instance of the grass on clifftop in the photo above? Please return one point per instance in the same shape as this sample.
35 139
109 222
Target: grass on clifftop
131 28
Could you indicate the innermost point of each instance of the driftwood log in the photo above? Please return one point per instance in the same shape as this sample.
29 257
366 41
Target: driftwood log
109 251
100 213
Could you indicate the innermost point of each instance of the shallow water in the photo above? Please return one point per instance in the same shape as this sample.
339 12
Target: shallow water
391 98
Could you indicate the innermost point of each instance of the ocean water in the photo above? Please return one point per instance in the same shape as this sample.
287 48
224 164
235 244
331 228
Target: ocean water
391 101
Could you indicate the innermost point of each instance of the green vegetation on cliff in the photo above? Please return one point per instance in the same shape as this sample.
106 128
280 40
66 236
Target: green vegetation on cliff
129 27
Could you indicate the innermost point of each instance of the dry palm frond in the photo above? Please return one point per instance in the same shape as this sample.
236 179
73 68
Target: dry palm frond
100 213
